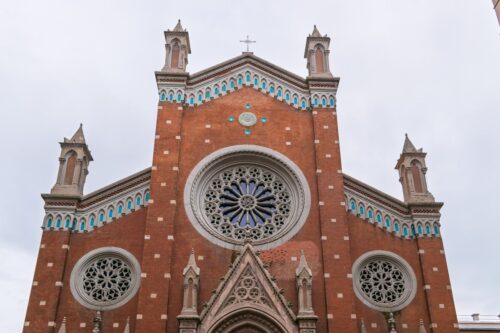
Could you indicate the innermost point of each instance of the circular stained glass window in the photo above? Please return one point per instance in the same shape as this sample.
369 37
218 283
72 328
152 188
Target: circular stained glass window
384 281
105 278
247 194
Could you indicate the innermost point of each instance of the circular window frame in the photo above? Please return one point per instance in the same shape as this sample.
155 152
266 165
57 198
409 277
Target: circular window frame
401 264
226 157
90 257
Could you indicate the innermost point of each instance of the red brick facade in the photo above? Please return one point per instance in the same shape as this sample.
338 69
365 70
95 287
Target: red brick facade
161 237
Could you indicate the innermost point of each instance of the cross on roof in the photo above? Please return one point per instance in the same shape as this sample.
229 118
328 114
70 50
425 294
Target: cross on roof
248 42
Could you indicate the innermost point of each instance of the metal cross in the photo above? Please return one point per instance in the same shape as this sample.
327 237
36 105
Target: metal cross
248 42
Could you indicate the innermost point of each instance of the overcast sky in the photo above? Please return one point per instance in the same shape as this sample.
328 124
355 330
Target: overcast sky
430 68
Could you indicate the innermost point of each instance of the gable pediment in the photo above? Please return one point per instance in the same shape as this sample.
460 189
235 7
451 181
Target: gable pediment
247 70
247 288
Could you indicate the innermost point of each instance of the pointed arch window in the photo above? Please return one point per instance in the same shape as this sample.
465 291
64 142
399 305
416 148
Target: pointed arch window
379 218
332 102
101 217
427 229
405 231
436 229
138 201
224 88
110 213
120 209
170 97
370 214
263 85
191 100
353 206
92 221
70 169
295 100
361 210
240 81
163 96
315 101
271 89
287 97
248 78
387 222
323 102
67 223
231 85
82 225
179 97
320 60
200 98
216 91
396 227
49 223
303 104
129 204
175 56
419 230
146 197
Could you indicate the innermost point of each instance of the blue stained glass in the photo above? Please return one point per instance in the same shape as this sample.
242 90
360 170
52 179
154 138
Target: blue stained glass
129 204
405 231
73 225
315 102
146 198
379 219
361 210
332 102
247 106
248 78
163 97
240 81
271 89
247 131
170 97
419 230
110 213
199 98
179 98
49 223
396 227
207 94
323 102
231 85
66 224
387 223
120 209
263 119
224 87
82 226
295 101
255 82
427 230
263 85
92 222
353 206
370 214
138 201
101 217
58 223
216 91
279 93
287 97
231 118
191 100
436 230
303 104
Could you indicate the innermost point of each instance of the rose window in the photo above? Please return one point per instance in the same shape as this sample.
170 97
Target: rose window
247 194
247 202
105 278
383 281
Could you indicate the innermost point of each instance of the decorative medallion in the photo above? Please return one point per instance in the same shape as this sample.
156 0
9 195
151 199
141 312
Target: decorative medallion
247 194
384 281
105 278
247 119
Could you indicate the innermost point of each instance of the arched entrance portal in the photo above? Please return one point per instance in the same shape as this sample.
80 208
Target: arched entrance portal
248 323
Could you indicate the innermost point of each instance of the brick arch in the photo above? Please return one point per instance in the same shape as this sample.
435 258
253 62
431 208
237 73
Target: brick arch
249 321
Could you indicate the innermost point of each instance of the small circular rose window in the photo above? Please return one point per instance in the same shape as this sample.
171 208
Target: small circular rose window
105 278
383 281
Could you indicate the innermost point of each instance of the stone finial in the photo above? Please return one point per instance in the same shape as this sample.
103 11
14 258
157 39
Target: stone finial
408 146
392 323
191 275
178 26
315 32
97 323
421 327
62 329
303 265
363 327
191 264
127 326
78 137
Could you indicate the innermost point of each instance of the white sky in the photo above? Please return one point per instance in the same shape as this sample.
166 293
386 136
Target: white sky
429 68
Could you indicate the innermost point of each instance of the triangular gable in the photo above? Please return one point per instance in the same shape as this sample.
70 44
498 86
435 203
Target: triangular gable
247 70
247 287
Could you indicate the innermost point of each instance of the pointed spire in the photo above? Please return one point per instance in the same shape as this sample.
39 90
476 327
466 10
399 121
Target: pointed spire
421 328
408 146
191 264
62 329
178 26
127 326
303 265
78 137
363 327
315 32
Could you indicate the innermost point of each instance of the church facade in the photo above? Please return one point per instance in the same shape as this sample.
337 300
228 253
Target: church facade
245 222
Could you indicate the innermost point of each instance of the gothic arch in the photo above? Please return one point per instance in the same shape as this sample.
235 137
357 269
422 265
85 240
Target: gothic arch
248 320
